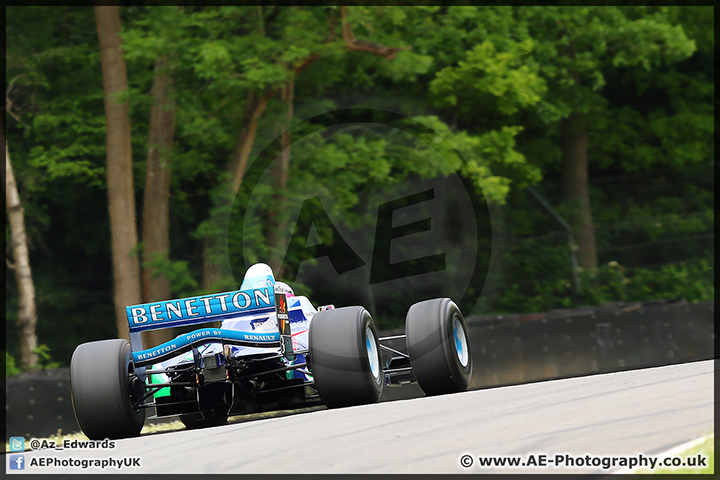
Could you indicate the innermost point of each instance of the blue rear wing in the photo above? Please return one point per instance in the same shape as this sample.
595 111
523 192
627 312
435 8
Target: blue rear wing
200 309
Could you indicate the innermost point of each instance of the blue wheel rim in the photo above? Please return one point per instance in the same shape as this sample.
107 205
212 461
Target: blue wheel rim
461 346
372 353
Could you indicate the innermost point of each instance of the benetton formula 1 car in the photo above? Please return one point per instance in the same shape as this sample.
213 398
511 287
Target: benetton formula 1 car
273 351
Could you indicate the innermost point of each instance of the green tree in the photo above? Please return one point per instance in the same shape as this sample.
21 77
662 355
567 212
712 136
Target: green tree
555 60
649 151
55 127
27 314
577 47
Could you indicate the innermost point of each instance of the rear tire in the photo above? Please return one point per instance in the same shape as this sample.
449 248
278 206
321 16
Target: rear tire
344 357
102 388
438 346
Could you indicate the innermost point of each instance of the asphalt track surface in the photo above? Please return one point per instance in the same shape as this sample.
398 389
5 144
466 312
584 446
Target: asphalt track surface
646 411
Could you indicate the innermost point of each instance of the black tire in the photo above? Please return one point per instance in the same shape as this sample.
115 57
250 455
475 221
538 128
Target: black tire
101 389
196 420
346 364
441 362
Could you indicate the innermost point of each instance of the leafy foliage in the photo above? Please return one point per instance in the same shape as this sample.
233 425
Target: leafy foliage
45 362
11 366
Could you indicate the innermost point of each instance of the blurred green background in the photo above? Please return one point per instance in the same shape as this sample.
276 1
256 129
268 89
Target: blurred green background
517 96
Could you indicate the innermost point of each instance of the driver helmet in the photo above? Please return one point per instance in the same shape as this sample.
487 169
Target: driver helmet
283 287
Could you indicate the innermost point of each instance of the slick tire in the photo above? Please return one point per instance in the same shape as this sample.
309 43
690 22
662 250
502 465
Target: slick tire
438 346
103 389
345 358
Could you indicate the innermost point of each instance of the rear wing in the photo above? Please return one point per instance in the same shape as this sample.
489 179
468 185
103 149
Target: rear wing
200 309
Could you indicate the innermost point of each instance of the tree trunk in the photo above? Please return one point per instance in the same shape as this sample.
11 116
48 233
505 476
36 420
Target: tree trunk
211 269
27 314
155 215
276 235
121 199
574 143
243 147
352 44
237 165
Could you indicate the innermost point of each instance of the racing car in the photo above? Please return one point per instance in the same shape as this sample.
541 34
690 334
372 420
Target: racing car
273 350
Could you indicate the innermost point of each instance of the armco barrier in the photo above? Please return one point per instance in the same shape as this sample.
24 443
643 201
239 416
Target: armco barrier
524 348
507 349
521 348
38 404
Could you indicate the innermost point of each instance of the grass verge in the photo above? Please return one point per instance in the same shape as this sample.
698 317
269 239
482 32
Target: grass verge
704 447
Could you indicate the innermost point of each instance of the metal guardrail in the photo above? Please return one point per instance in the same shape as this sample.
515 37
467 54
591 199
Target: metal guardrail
38 404
520 348
526 348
